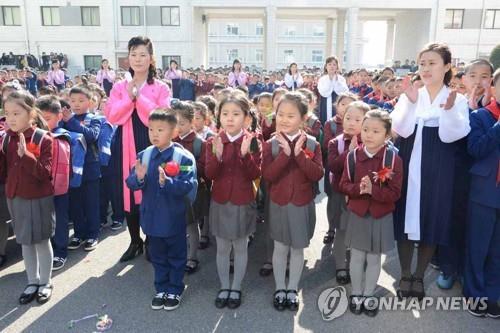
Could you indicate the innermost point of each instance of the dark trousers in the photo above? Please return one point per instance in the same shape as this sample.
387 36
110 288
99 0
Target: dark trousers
84 209
106 197
482 269
168 256
60 239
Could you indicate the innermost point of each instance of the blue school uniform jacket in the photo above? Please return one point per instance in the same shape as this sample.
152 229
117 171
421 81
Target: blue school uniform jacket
104 140
186 90
255 89
90 127
484 147
163 209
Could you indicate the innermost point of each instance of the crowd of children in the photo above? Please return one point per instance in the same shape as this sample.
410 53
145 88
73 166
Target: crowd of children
406 163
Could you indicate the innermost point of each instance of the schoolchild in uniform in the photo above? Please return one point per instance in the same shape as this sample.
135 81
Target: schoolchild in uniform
163 206
188 138
292 163
429 121
337 212
312 125
202 120
84 200
232 167
330 85
482 265
268 123
25 166
52 113
372 180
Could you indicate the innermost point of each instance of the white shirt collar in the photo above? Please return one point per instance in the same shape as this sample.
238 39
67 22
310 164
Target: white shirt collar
292 137
170 145
370 155
234 138
182 137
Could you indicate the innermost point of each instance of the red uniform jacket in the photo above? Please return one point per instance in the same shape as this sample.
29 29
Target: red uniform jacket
327 130
30 176
267 131
382 200
315 129
233 175
290 178
187 143
336 160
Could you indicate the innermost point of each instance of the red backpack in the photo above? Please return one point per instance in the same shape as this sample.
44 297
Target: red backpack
61 166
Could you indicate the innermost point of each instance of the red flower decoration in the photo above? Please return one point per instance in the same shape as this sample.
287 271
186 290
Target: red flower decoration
172 169
383 175
309 153
33 148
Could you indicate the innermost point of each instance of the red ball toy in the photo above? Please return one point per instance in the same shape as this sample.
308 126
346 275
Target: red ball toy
172 169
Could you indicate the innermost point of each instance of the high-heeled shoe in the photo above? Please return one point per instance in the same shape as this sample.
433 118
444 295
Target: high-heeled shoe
133 251
405 292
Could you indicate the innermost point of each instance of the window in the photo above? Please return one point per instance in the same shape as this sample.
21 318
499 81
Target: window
454 19
90 16
317 55
11 15
290 31
259 30
92 62
232 54
492 19
170 16
131 15
318 31
232 29
166 60
51 16
289 56
259 55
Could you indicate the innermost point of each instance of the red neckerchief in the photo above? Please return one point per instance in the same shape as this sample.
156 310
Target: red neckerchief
494 109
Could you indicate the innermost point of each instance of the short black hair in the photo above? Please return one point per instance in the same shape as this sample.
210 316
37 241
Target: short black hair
184 110
49 103
166 115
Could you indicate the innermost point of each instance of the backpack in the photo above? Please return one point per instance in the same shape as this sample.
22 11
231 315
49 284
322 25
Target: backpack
179 152
61 161
310 123
197 144
387 161
36 138
310 145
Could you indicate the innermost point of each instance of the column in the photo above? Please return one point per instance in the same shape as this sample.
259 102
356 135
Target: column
270 38
340 45
352 37
389 43
329 38
433 22
205 42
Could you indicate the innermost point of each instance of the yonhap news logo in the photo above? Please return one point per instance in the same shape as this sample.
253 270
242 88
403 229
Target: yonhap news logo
333 303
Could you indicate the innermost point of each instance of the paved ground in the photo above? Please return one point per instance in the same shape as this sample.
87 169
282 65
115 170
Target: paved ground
97 283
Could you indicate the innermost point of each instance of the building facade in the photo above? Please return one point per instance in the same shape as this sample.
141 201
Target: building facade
262 33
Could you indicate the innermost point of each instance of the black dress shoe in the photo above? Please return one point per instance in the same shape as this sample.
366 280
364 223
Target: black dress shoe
279 302
370 306
292 304
234 303
356 304
266 269
404 292
26 298
43 298
417 288
133 251
3 259
343 278
222 302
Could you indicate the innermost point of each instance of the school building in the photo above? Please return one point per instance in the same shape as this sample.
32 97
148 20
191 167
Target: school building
261 33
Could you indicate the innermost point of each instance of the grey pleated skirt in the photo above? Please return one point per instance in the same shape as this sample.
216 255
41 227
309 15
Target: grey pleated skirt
292 225
33 220
370 234
231 221
336 209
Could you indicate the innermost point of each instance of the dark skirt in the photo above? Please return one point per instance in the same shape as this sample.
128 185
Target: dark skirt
292 225
436 191
176 88
107 86
232 222
141 139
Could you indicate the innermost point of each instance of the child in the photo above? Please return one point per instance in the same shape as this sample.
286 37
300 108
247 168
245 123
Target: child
363 87
232 167
84 200
477 81
163 206
52 113
312 125
458 84
268 123
372 180
201 121
429 121
195 213
337 212
330 85
265 111
482 268
292 164
25 165
333 126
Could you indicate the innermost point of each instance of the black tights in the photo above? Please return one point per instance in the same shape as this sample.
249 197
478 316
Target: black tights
134 228
424 256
